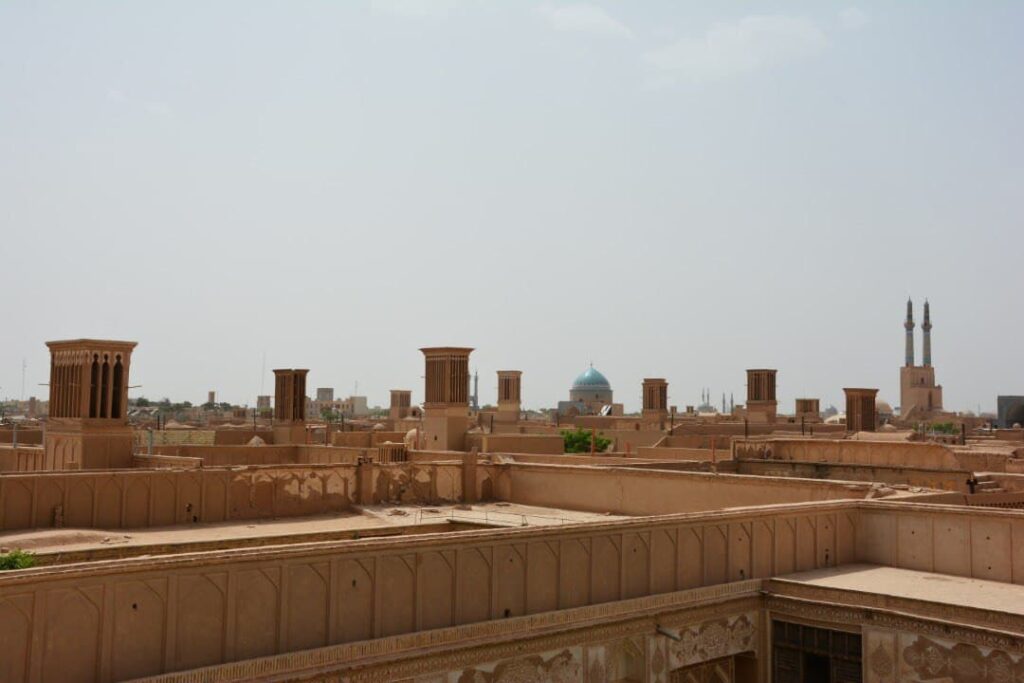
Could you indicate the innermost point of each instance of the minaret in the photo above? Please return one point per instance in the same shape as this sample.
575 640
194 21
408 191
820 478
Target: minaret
909 327
926 327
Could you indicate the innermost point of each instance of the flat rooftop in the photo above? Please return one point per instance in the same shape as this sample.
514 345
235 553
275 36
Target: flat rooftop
77 545
944 589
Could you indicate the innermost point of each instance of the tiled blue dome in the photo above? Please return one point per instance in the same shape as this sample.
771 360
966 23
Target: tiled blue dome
591 379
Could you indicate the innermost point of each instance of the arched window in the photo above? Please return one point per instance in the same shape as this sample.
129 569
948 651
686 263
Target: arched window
118 389
94 386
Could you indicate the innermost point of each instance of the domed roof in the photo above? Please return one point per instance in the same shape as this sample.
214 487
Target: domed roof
591 379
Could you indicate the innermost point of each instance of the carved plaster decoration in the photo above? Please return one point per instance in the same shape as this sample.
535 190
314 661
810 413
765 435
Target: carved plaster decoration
559 667
714 639
879 656
818 613
596 671
925 660
657 646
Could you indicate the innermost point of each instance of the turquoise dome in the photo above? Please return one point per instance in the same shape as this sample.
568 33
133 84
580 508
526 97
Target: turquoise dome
591 379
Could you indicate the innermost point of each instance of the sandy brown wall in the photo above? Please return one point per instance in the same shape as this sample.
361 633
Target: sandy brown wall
22 459
143 616
26 437
983 544
658 492
162 497
553 444
240 437
884 453
128 498
224 456
675 453
934 479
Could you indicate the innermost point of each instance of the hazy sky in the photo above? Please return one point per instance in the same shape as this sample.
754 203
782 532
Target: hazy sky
666 189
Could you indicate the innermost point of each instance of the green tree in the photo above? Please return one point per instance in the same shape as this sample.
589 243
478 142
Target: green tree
578 441
17 559
945 428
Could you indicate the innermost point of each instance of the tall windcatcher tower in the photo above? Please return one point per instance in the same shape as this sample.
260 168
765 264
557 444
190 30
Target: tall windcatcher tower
926 327
909 327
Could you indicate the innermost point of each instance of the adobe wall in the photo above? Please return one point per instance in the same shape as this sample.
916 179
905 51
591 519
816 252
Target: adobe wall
240 437
517 443
324 455
224 456
629 491
672 453
26 437
947 480
703 441
119 499
366 439
166 462
128 498
976 542
878 453
142 616
752 429
22 458
523 427
171 437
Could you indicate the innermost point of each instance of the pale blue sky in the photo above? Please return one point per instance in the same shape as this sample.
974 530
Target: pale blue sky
667 189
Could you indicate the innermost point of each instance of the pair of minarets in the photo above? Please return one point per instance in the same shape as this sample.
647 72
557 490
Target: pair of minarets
926 326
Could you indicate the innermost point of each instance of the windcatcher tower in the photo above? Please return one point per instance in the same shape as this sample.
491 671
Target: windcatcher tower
761 403
290 406
808 409
88 422
860 409
510 404
446 408
401 403
655 399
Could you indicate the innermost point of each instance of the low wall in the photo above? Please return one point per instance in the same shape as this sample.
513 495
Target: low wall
541 444
705 441
22 459
164 462
170 437
629 491
117 499
886 454
365 439
224 456
142 616
977 542
26 437
947 480
240 437
332 454
670 453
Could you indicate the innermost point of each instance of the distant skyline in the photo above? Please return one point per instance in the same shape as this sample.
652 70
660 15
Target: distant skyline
681 190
